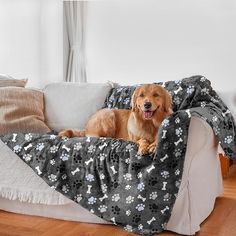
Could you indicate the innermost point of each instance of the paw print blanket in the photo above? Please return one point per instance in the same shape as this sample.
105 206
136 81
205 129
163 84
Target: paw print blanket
109 178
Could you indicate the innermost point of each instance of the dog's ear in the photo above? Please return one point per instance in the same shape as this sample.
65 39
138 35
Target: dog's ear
168 102
133 99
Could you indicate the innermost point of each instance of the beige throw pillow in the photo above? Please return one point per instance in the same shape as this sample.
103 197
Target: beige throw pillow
21 110
7 80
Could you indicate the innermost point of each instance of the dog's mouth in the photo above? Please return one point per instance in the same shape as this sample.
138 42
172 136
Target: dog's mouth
148 114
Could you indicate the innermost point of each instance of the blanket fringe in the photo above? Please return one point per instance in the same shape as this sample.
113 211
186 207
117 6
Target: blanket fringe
31 196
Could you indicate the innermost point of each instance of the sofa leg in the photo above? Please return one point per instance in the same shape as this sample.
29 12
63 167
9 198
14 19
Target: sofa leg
225 164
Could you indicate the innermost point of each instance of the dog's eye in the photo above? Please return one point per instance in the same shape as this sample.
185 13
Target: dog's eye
141 95
155 95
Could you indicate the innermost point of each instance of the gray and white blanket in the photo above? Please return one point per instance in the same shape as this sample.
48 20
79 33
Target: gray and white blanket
109 178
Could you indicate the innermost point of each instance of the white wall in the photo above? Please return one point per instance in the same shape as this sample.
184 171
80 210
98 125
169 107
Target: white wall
158 40
31 40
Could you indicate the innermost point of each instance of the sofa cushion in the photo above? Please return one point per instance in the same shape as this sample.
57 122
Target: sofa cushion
21 110
7 80
69 105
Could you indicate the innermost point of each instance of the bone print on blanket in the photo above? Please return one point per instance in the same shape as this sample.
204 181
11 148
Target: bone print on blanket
109 178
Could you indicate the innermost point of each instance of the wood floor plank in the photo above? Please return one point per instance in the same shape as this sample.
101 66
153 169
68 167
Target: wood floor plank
12 230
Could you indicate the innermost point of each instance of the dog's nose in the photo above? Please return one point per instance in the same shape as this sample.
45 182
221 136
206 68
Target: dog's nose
147 105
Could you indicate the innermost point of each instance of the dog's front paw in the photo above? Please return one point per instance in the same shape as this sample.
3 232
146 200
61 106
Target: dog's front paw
152 148
66 133
143 149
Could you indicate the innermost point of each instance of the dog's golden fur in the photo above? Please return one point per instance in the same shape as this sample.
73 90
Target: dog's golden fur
150 105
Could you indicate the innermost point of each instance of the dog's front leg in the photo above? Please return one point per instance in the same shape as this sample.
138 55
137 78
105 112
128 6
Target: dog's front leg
72 133
152 147
143 146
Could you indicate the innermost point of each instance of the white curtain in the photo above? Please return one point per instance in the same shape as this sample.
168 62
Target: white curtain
75 22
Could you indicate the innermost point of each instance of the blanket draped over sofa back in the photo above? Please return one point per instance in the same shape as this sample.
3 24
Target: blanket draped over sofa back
109 178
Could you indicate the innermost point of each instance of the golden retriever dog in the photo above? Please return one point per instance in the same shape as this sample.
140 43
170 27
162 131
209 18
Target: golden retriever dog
151 103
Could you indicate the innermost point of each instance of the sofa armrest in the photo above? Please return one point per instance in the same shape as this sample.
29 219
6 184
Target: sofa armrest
201 182
200 138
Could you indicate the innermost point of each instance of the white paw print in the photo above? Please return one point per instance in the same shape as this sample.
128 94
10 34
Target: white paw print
127 160
126 101
64 156
203 79
54 149
92 200
77 146
128 212
115 197
141 186
129 199
91 149
177 152
205 91
127 187
179 132
52 177
53 187
214 118
190 89
52 136
78 197
27 157
166 197
140 226
228 139
127 177
177 120
140 175
129 147
178 82
65 188
177 172
102 156
203 104
138 156
17 148
64 176
165 122
28 137
52 162
140 207
177 183
102 208
40 146
164 226
104 188
216 130
102 176
64 138
89 177
128 228
165 174
177 100
153 196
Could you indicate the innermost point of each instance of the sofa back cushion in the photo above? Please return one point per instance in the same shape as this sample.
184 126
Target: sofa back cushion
21 110
69 105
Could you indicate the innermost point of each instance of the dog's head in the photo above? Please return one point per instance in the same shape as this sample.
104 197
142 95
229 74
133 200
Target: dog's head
151 100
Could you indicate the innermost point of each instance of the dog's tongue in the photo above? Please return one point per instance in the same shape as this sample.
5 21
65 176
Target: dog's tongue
148 114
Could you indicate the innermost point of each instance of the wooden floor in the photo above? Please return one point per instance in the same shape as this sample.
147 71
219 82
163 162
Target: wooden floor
222 222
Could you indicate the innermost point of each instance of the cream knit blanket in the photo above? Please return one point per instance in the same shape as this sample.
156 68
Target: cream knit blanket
19 182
